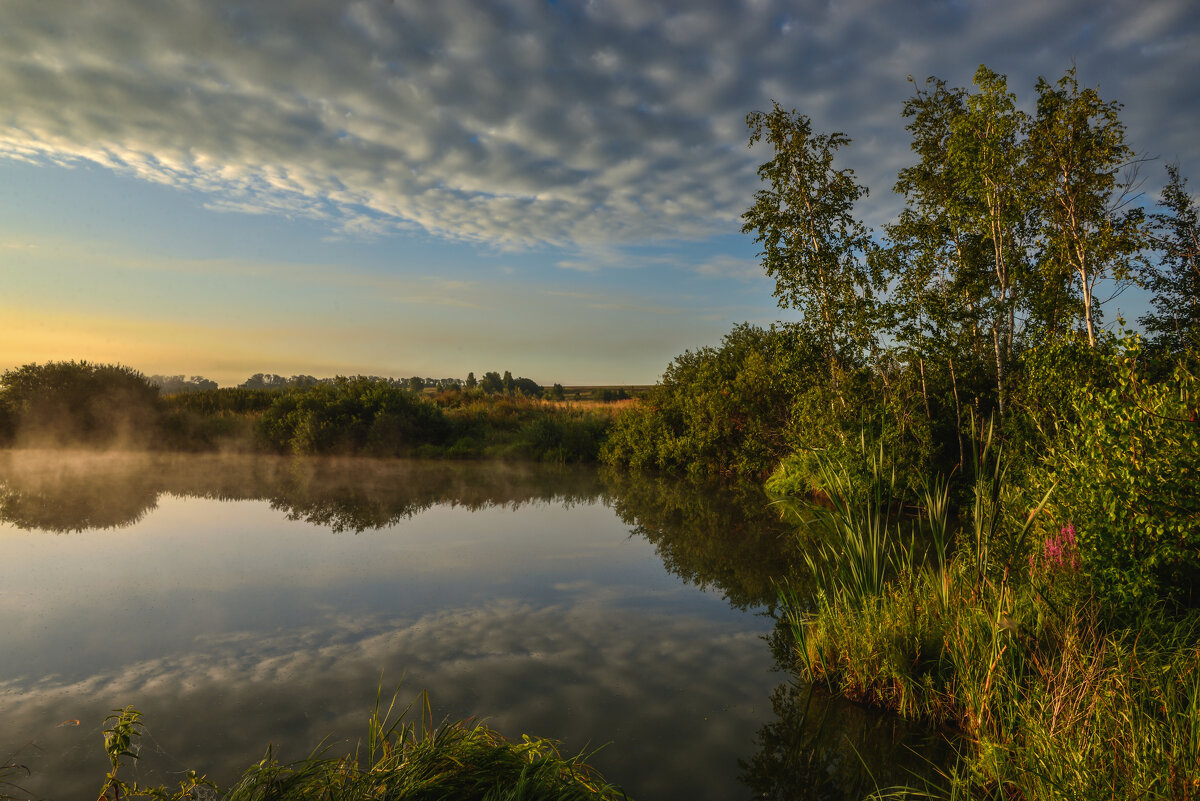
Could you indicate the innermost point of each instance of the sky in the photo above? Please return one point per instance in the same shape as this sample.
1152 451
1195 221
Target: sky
551 187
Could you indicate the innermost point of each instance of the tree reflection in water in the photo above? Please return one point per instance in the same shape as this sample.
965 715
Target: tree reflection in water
825 748
729 538
62 491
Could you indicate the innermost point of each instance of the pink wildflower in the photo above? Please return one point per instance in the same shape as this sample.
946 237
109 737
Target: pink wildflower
1058 552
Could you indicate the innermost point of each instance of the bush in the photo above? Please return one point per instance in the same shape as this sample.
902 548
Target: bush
719 411
78 404
352 415
1126 459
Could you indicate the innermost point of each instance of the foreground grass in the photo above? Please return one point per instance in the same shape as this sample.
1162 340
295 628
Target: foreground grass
403 759
1053 700
1053 705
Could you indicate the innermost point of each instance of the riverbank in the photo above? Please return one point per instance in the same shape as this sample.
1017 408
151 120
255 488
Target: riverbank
1055 693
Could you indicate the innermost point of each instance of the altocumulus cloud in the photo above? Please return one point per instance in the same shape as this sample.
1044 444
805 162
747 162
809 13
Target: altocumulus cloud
523 122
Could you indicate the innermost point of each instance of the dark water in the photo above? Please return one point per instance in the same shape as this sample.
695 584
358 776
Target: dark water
241 602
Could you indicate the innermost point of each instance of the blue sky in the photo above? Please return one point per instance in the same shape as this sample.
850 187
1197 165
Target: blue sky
398 188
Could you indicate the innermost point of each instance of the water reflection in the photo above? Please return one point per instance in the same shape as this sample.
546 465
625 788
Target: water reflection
509 591
64 492
595 607
823 748
713 535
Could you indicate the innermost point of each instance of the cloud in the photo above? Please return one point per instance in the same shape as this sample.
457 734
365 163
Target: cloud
520 123
723 266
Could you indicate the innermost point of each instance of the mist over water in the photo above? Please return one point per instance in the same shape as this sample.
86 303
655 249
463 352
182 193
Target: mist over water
241 601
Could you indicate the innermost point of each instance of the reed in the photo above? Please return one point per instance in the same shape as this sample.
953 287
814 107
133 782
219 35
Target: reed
1051 703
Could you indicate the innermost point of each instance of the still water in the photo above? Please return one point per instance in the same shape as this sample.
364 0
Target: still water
246 601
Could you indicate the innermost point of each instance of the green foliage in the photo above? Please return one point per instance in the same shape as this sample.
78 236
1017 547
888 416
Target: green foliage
1051 705
405 759
1046 382
271 381
124 729
351 415
565 436
856 541
1077 147
77 404
527 387
491 382
813 246
741 408
230 400
720 410
1126 458
175 384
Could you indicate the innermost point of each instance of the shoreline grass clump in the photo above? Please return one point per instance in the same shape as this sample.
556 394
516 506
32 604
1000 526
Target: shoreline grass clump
404 760
1001 638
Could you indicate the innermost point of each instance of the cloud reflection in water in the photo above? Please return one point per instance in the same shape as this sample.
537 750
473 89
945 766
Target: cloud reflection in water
231 626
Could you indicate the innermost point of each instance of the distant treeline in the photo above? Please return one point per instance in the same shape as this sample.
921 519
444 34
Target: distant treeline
492 383
80 404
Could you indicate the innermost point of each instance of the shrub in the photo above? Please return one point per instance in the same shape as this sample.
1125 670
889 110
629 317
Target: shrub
1127 460
722 410
352 415
78 404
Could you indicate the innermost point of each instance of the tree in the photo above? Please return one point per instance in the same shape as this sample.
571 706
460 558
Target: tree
813 246
264 381
471 381
987 167
527 387
491 382
935 260
175 384
1175 321
1076 149
507 383
78 403
416 384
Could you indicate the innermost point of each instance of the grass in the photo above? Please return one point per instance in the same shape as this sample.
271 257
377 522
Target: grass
1013 654
404 759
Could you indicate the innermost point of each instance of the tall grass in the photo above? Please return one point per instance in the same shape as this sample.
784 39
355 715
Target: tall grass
1009 650
416 760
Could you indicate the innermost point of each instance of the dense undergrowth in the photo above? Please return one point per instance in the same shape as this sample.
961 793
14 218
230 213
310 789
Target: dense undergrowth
1071 666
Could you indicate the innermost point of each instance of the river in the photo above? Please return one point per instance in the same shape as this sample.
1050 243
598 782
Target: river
246 601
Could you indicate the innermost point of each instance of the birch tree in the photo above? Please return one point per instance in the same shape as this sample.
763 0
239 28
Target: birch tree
813 246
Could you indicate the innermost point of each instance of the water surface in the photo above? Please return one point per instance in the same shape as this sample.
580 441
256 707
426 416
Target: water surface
246 601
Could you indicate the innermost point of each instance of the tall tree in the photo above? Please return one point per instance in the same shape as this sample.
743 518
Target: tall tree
813 246
986 163
1175 321
934 258
1076 151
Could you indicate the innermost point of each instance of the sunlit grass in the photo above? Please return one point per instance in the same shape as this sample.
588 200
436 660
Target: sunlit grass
406 757
1013 654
